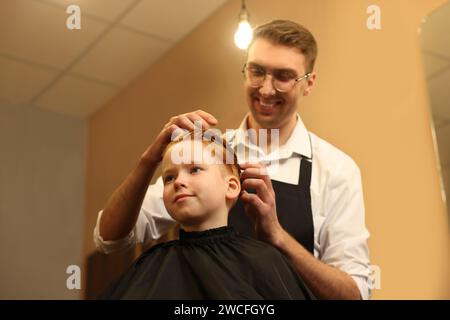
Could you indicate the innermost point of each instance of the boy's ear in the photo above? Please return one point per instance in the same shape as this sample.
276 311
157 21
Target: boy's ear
233 188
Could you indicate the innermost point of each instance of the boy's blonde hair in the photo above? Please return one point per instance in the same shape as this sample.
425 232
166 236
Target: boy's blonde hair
207 138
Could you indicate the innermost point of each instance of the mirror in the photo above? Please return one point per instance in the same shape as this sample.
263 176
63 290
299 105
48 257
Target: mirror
436 54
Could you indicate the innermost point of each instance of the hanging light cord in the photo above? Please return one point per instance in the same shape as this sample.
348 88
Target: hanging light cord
243 15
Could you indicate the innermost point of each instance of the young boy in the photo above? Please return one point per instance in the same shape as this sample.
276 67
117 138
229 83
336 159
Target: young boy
210 260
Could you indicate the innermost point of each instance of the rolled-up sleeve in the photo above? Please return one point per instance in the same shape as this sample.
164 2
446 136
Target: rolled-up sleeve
112 246
153 222
343 235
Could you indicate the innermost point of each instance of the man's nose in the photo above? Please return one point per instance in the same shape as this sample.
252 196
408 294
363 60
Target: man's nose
267 88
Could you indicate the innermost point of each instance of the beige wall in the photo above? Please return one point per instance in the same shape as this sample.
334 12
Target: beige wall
42 178
370 101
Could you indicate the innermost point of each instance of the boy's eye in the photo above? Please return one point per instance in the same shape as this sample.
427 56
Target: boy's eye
167 179
195 169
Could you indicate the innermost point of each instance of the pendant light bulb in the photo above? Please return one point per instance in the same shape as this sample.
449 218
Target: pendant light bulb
244 33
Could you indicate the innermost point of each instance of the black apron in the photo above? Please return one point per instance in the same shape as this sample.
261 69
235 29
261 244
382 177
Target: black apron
293 203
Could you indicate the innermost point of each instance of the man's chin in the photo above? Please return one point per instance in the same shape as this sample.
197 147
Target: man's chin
266 121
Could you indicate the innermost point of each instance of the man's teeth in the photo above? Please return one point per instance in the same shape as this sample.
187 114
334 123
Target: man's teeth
266 104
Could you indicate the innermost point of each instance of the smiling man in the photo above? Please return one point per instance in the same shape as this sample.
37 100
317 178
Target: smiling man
311 208
273 103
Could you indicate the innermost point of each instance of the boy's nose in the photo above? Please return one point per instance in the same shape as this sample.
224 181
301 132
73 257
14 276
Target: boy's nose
179 183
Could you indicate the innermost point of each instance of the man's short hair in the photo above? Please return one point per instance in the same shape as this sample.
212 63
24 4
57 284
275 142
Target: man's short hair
290 34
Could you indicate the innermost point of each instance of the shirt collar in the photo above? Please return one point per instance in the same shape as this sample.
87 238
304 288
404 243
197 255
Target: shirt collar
299 141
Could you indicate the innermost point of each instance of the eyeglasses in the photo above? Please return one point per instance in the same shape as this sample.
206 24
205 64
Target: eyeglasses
282 80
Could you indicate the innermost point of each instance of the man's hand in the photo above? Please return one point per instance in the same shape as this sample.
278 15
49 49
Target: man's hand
325 281
122 209
261 207
182 121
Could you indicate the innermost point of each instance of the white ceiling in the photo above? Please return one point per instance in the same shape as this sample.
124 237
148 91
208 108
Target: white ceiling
436 52
75 72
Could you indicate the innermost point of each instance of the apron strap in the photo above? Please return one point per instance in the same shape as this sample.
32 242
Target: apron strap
304 178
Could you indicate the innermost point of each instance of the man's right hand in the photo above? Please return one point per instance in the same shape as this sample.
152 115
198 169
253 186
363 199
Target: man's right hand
182 121
122 209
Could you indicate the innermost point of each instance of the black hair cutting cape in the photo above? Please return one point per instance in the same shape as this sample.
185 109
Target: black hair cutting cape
214 264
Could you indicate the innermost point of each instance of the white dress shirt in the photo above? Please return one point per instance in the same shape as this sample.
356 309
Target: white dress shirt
340 235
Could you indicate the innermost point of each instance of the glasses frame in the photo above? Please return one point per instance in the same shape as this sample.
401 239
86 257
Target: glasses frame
296 80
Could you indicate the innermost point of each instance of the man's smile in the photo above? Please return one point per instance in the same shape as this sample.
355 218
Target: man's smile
267 106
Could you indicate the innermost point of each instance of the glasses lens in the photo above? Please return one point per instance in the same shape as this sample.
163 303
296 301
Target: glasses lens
281 81
283 86
284 80
255 76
